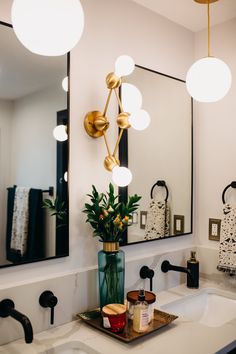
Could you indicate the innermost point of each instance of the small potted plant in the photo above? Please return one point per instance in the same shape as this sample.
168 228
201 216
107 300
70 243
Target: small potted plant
109 219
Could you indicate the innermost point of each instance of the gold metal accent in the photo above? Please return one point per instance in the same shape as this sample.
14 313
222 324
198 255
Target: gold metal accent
122 120
119 102
205 1
208 2
89 126
107 146
118 142
110 246
107 102
110 162
101 123
113 81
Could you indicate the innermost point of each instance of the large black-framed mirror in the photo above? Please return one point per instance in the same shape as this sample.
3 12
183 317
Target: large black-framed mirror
34 165
160 159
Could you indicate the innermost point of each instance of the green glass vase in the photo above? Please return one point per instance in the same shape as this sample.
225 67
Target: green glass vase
111 273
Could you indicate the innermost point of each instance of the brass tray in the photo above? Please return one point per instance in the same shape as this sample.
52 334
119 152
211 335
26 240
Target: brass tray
160 320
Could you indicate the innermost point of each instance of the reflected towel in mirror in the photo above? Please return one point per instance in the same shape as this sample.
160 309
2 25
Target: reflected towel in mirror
158 220
34 241
20 220
227 250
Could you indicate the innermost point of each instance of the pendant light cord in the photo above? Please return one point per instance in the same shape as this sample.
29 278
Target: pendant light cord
209 29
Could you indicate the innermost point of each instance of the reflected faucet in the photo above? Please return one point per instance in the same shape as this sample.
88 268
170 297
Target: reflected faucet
7 308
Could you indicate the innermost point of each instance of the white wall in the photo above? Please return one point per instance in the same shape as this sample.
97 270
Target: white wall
152 41
215 143
33 145
6 109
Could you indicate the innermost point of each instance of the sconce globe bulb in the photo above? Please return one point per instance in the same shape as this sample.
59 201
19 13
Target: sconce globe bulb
121 176
66 176
139 120
65 83
131 98
59 133
208 80
48 27
124 65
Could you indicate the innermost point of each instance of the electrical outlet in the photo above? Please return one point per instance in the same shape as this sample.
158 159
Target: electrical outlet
178 224
143 219
214 229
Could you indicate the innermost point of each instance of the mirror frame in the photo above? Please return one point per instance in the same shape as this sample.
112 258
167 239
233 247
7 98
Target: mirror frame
123 157
66 254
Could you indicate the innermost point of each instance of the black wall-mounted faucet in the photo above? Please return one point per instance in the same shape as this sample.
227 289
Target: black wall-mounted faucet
7 308
192 273
48 299
146 272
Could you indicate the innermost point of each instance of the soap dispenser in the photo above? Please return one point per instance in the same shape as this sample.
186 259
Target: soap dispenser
193 267
141 316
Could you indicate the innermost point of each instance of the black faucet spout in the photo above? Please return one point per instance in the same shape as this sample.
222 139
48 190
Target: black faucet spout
26 324
7 308
166 266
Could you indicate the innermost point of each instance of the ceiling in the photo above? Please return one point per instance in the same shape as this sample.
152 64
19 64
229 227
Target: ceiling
190 14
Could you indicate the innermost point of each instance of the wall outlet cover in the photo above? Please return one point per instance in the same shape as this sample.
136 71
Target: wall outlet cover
178 224
214 229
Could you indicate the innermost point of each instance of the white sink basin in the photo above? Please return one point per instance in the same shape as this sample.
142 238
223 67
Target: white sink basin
71 348
210 307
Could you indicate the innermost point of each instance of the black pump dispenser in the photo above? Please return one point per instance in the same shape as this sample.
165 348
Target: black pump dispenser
141 295
193 266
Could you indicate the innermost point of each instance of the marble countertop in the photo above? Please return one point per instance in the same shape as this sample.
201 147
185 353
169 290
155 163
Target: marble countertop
180 337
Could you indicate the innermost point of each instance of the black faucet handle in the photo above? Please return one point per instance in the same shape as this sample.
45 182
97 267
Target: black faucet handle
48 299
146 272
6 306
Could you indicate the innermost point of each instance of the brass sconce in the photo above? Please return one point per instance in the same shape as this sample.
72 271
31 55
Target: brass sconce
96 123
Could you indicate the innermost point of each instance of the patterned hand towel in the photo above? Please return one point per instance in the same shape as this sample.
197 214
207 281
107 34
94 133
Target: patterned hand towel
158 220
227 251
20 220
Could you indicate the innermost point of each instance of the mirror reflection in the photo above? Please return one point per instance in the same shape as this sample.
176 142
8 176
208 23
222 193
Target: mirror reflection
160 159
33 164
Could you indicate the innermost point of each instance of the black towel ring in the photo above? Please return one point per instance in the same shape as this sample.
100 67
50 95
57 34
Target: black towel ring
160 184
232 185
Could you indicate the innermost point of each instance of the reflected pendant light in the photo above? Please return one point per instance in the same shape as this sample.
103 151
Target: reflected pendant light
48 27
208 79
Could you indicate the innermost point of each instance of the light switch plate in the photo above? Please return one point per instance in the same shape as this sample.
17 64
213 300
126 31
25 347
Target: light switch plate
178 224
214 229
143 219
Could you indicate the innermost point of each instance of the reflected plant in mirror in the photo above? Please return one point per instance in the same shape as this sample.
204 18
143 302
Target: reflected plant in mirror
160 158
33 163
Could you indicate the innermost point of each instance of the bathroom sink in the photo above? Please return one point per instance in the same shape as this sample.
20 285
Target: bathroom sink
71 348
210 307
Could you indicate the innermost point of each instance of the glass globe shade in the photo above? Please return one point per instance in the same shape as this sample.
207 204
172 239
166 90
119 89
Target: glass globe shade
65 84
48 27
66 176
59 133
131 98
139 120
124 65
208 80
121 176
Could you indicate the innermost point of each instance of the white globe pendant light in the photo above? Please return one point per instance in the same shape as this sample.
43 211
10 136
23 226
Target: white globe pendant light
48 27
208 79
